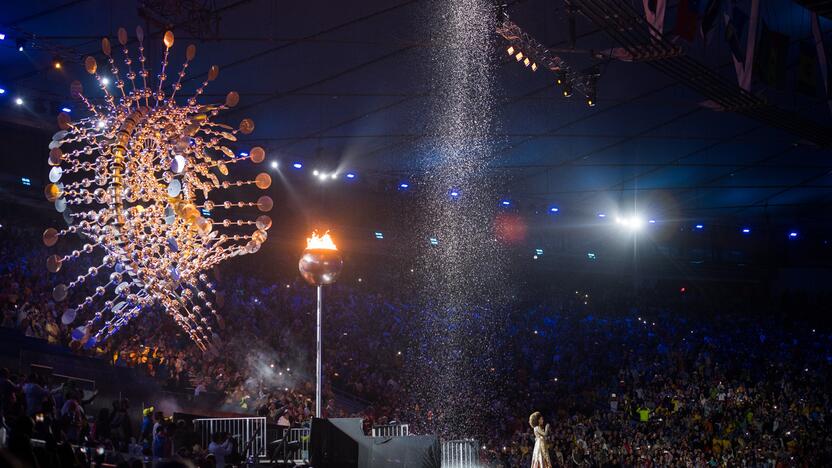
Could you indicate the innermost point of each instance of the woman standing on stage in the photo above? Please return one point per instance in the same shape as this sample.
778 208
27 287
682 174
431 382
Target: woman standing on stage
540 454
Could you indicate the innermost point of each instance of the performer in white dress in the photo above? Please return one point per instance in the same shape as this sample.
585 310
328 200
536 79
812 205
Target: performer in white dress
540 454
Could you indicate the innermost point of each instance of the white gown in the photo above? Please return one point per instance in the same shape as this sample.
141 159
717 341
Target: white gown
540 455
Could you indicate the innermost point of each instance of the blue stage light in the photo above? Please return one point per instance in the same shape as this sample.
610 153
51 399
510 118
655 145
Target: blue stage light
793 235
243 154
350 175
602 215
454 193
554 209
434 241
505 202
2 36
205 212
404 185
66 109
2 91
379 235
699 227
538 251
652 221
746 230
25 181
297 165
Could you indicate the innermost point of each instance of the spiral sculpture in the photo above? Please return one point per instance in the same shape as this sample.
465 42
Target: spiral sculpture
143 181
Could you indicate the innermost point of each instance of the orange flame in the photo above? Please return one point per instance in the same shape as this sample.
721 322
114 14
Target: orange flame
323 242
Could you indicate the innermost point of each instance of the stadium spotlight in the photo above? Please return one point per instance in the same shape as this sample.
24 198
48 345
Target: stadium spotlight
632 223
275 164
18 101
567 89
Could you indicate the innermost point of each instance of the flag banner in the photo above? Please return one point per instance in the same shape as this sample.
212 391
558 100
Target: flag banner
743 59
654 11
823 60
806 79
709 18
770 62
734 27
687 15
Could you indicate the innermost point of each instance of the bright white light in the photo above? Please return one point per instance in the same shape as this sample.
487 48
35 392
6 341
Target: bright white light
66 109
18 101
2 37
101 123
322 177
633 223
105 81
274 164
333 176
315 173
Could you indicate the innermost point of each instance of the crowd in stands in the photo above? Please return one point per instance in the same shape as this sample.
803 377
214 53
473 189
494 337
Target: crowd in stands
664 378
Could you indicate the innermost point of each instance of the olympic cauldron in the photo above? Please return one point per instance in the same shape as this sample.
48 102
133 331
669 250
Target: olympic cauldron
320 265
321 262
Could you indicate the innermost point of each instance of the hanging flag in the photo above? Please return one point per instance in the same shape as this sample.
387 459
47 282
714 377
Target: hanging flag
743 59
654 11
687 15
734 27
709 18
770 62
806 70
817 34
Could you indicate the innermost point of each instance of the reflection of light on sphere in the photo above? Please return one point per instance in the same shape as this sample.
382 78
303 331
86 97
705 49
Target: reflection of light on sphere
320 266
143 181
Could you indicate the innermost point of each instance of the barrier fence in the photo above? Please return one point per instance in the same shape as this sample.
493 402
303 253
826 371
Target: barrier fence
297 444
460 453
245 430
391 430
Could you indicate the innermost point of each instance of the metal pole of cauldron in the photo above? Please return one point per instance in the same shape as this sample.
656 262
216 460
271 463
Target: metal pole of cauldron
319 265
319 357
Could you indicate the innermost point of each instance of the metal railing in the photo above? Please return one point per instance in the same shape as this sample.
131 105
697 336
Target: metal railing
463 453
391 430
246 430
296 446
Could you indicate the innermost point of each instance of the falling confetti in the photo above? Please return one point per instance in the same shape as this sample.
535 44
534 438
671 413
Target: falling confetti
461 276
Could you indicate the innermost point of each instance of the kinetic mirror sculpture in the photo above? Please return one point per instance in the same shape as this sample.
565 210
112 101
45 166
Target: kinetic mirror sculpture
320 265
137 181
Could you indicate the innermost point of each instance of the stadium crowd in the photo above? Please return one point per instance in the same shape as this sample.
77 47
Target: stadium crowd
667 378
